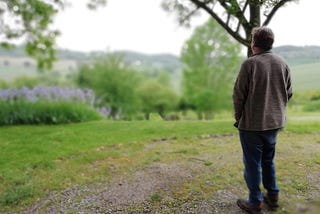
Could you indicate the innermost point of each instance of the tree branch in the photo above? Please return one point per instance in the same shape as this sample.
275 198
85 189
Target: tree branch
186 17
243 11
274 10
245 6
235 10
228 19
234 34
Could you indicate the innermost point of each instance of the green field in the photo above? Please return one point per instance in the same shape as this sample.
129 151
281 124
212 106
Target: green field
36 160
306 77
25 67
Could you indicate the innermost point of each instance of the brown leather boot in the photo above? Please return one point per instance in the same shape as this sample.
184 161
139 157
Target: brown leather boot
271 200
249 208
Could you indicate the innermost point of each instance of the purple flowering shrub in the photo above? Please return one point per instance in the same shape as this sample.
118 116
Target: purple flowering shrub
46 105
49 93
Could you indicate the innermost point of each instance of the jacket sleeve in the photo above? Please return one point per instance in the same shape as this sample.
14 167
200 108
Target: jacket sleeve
240 92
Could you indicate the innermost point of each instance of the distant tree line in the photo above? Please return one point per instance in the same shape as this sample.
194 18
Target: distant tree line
210 62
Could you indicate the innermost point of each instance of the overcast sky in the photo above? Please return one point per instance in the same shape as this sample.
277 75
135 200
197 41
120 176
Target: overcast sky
143 26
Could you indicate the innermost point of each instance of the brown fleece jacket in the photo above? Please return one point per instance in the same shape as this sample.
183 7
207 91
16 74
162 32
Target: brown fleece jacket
261 93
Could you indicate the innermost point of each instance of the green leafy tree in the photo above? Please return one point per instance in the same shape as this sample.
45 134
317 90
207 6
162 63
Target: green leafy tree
31 20
156 97
211 59
114 84
164 79
237 17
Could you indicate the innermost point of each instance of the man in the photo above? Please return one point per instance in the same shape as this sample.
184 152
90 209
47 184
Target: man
260 96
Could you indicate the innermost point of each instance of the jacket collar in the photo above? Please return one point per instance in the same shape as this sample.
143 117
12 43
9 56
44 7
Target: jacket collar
262 52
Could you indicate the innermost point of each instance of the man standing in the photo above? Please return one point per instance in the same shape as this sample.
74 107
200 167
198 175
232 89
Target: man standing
261 93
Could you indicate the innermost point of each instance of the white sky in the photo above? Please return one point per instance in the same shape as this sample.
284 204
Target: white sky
143 26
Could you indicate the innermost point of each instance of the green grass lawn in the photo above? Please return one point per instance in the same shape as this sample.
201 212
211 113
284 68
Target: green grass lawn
38 159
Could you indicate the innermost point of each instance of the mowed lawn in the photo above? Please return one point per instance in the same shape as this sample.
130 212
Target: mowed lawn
37 159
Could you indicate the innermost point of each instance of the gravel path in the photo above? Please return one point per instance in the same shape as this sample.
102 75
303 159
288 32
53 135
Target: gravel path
134 194
153 190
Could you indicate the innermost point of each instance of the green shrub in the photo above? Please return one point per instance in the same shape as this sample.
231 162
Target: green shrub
45 112
46 105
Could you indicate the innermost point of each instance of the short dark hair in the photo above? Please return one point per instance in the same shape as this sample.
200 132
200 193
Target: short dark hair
262 37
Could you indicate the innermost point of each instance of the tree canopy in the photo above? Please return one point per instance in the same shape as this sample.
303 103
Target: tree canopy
211 59
237 17
114 83
30 20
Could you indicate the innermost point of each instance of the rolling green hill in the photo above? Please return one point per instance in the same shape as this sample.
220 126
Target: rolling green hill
304 63
297 55
306 76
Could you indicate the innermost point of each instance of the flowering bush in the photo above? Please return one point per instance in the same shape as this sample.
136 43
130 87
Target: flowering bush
46 105
48 93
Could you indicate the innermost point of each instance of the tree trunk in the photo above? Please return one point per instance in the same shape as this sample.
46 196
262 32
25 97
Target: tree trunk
254 21
147 116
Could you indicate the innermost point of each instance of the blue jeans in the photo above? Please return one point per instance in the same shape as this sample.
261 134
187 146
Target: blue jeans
258 153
